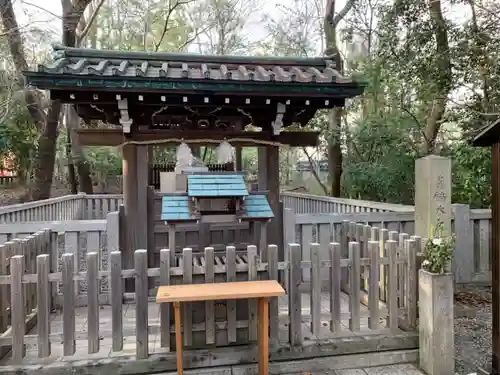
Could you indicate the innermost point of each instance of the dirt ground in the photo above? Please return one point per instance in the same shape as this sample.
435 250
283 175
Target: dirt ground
473 334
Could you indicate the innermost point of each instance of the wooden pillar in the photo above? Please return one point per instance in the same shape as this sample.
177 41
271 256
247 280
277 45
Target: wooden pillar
239 158
261 168
150 164
142 197
262 186
273 187
495 266
129 154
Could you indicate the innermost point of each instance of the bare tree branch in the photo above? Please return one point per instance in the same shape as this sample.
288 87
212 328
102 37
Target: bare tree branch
81 36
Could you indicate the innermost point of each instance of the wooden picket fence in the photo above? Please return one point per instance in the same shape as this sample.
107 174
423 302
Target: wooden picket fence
20 309
206 323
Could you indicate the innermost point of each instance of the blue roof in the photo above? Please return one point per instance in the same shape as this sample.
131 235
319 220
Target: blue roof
256 206
175 208
222 185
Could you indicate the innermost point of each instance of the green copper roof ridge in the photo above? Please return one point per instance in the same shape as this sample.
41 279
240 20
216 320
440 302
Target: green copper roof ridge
66 52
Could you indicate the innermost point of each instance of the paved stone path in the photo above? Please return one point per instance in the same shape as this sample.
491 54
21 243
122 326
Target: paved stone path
404 369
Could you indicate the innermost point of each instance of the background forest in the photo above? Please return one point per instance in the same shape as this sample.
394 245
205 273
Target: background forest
432 71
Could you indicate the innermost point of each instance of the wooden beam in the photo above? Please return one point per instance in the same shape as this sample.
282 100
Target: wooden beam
115 137
495 267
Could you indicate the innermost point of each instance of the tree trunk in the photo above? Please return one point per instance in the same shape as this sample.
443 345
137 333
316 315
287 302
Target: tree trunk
17 51
78 157
72 19
44 170
437 106
333 137
71 167
47 124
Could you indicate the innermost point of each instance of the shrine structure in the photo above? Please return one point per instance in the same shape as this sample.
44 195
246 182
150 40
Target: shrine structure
168 99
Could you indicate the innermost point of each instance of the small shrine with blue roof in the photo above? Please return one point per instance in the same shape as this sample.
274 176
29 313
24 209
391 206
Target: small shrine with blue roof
207 197
215 198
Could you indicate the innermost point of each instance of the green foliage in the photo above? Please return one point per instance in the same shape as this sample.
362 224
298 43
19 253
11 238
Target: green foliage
471 175
19 140
438 250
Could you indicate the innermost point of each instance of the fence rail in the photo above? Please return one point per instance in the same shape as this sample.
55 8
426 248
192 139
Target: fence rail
301 203
472 229
69 207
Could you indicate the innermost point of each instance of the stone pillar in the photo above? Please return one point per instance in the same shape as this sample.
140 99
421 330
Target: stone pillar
432 194
436 332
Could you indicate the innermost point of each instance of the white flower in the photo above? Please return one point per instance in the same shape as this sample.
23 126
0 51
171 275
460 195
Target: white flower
425 263
437 241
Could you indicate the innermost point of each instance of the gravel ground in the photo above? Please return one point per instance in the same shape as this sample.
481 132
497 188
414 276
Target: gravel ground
473 334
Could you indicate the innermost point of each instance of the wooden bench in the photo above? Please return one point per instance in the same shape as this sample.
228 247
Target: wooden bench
260 290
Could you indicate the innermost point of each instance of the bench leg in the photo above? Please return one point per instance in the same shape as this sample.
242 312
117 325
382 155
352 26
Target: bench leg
178 337
263 335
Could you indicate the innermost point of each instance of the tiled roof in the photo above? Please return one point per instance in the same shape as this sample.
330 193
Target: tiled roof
257 207
175 208
89 62
224 185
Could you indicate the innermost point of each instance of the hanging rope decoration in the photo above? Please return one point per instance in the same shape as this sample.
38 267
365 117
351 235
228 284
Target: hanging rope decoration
202 141
225 153
184 156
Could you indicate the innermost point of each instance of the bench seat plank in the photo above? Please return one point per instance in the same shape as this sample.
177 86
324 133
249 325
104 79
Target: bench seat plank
219 291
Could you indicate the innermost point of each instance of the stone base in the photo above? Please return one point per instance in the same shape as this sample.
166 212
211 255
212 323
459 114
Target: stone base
436 332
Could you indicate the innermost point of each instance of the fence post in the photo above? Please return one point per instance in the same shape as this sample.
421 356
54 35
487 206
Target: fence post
294 296
17 307
43 304
141 300
410 247
113 231
289 237
463 256
82 206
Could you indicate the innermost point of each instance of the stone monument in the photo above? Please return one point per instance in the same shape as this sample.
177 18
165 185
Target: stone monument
432 194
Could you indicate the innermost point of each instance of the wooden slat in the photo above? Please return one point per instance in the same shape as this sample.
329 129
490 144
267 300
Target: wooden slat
401 270
93 302
411 282
392 285
71 246
165 308
294 296
141 303
344 253
383 236
209 305
43 305
306 240
484 245
187 264
373 288
231 305
315 289
252 304
116 300
272 258
68 267
335 302
17 308
354 287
